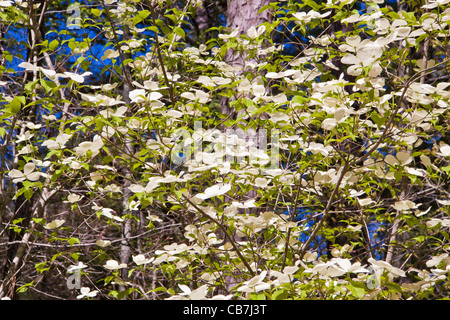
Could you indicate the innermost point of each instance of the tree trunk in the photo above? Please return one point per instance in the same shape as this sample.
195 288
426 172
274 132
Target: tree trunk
243 15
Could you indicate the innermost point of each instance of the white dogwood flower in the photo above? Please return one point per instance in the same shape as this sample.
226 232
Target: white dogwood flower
31 67
76 267
103 243
140 259
54 224
86 292
214 191
114 265
27 174
58 143
255 284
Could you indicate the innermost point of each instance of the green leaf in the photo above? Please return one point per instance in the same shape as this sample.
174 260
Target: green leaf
39 220
24 288
15 105
28 193
315 6
9 57
29 87
72 241
18 220
179 31
107 159
267 7
56 255
141 16
96 12
154 29
47 84
54 44
258 296
379 121
446 169
394 286
356 291
75 256
41 267
398 176
280 294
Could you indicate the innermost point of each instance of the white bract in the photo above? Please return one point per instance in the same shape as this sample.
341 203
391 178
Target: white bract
86 292
72 198
254 32
351 124
28 173
188 294
380 264
140 259
434 4
107 212
405 205
365 201
5 3
54 224
286 276
92 146
74 76
76 267
255 284
100 99
154 183
245 205
120 112
141 95
444 150
58 143
367 53
30 67
27 135
114 265
307 17
214 191
337 267
103 243
434 222
110 54
401 158
315 147
233 34
434 261
197 95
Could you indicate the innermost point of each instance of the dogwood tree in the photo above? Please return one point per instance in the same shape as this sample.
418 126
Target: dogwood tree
156 167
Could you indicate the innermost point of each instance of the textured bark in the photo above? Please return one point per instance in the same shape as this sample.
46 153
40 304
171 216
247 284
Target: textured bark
243 15
203 17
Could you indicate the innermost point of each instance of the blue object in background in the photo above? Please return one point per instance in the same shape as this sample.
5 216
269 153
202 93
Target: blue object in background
306 217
